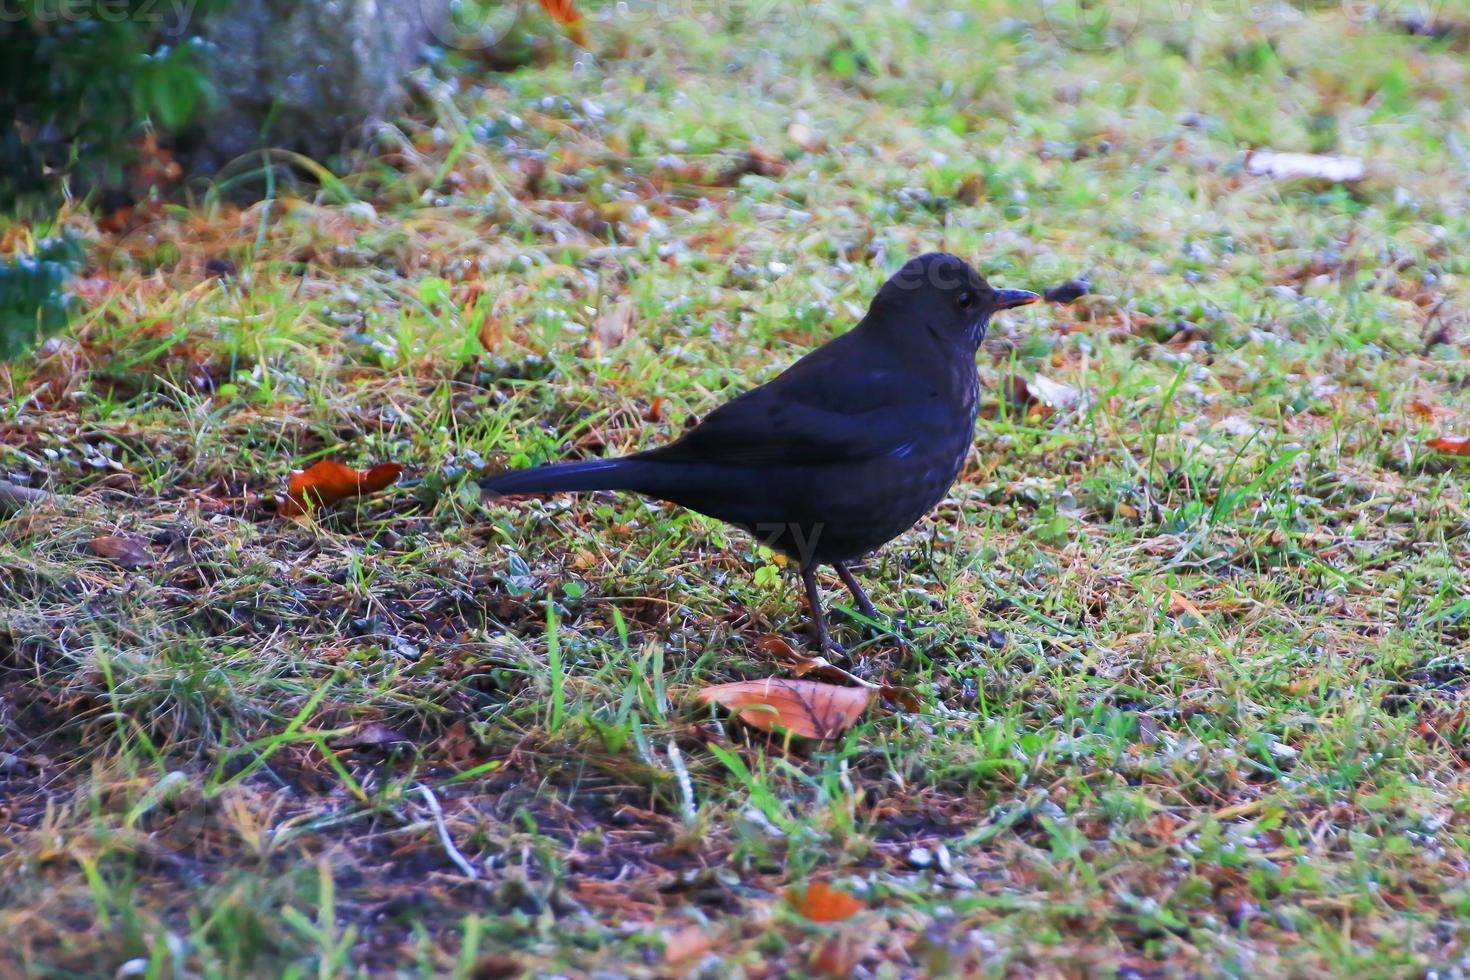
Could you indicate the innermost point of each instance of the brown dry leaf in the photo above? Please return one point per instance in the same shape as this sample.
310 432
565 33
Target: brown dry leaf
686 943
821 902
1452 445
905 697
786 655
1314 166
757 160
765 162
370 734
613 323
1180 606
457 745
809 709
970 189
490 333
801 665
838 956
122 552
327 482
496 966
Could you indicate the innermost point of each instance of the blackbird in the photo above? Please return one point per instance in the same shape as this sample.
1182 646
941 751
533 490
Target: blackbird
844 450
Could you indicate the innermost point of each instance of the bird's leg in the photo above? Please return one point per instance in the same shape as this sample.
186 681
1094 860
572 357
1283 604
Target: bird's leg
864 604
821 640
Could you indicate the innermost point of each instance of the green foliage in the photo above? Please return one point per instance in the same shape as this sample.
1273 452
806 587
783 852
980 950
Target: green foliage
79 81
33 302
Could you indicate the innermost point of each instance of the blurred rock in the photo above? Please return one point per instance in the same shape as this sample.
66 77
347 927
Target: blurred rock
308 76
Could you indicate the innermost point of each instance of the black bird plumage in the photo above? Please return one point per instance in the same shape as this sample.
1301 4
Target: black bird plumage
844 450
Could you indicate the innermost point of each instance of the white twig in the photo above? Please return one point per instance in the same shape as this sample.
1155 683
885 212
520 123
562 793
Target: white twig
454 855
686 785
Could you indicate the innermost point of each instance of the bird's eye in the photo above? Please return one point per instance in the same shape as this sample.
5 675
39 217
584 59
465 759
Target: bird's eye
965 299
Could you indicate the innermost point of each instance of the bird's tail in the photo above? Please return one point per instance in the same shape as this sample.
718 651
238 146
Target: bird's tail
592 474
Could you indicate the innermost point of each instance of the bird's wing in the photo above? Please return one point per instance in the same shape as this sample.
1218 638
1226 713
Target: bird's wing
791 423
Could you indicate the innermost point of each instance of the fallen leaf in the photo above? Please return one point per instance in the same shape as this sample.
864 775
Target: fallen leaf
13 496
613 324
905 697
838 956
803 137
821 902
370 735
1053 393
809 709
1315 166
457 745
1429 413
970 189
489 333
327 482
786 655
1180 606
122 552
1040 397
1454 446
686 943
757 160
565 13
496 966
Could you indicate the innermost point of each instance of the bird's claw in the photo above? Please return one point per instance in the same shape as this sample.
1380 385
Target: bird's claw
829 649
908 628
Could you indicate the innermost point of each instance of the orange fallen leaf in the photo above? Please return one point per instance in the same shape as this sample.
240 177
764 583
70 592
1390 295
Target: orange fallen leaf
821 902
565 13
1428 412
327 482
809 709
1454 446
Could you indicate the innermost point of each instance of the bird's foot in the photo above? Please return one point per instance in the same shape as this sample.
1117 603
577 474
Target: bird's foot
878 626
908 629
834 653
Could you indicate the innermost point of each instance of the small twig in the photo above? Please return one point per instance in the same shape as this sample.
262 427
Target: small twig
459 859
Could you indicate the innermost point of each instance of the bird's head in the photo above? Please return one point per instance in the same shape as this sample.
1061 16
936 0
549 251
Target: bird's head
941 294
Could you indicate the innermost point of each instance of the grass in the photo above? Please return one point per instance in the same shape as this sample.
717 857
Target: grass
1193 678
